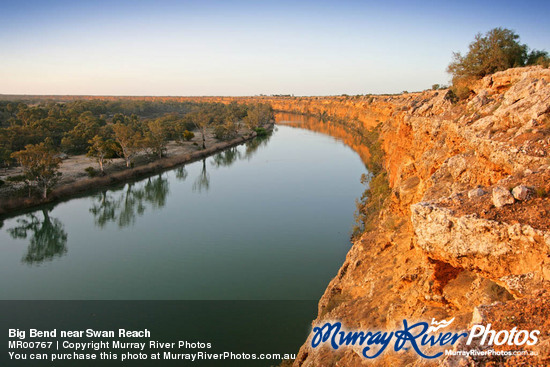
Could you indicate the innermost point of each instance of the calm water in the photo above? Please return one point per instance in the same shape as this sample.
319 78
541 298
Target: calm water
269 220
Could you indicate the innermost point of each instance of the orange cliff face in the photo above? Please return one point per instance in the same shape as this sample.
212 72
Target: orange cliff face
443 246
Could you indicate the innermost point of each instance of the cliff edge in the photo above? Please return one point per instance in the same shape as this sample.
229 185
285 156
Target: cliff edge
465 233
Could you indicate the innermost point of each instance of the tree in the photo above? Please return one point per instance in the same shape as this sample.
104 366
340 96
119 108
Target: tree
40 166
102 150
201 120
77 140
156 137
227 130
5 157
258 114
538 57
236 111
129 140
497 50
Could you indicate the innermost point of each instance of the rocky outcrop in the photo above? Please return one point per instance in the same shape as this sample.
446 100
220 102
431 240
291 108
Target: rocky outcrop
493 249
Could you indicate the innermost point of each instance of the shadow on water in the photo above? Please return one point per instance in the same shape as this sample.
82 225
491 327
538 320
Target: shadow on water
124 205
48 238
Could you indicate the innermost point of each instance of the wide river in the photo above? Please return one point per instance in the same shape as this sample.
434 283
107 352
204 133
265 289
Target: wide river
268 220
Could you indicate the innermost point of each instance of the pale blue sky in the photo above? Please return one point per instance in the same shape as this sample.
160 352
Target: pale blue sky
245 47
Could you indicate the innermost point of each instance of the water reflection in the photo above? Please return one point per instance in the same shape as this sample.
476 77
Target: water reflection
252 146
48 237
324 125
123 206
227 157
156 191
202 182
181 173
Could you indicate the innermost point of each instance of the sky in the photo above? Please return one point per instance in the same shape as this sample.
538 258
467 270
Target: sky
233 48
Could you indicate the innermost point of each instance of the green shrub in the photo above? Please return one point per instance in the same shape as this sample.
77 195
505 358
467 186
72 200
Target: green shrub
372 200
538 57
188 135
225 131
457 93
462 92
260 131
541 192
17 178
91 171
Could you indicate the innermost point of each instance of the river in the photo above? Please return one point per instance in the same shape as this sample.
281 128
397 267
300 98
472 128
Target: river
269 220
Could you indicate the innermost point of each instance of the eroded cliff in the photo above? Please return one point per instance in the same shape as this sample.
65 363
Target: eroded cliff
446 244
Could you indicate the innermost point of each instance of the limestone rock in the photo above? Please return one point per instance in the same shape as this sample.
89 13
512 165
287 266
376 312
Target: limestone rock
477 317
484 246
502 197
475 193
520 192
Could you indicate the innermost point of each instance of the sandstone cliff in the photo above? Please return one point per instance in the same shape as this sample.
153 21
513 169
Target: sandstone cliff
445 244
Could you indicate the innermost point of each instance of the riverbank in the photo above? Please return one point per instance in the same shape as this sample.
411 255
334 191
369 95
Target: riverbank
76 181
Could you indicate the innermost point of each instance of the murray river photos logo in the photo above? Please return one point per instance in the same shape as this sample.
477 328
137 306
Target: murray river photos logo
418 336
